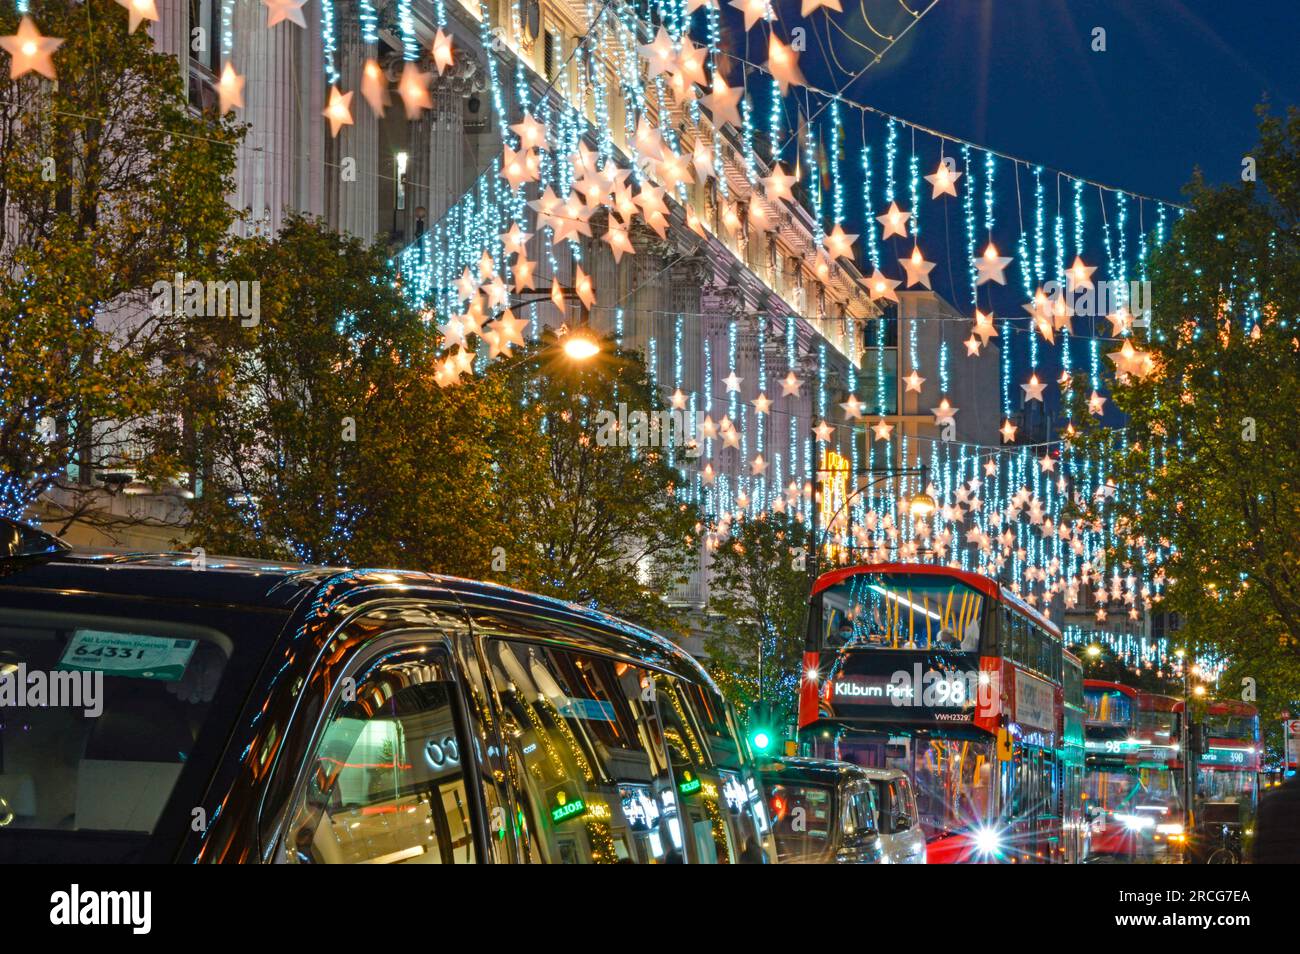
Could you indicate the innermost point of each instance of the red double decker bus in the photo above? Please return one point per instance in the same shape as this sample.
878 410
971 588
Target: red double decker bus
1226 778
950 677
1133 764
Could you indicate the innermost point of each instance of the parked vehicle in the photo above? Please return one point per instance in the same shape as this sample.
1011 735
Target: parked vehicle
901 834
822 812
164 707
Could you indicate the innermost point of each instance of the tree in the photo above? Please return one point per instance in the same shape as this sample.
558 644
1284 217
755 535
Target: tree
108 184
1208 463
333 444
591 513
760 590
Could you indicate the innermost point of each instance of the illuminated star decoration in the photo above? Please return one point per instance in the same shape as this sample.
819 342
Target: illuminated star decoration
338 112
1079 274
783 64
139 11
413 87
374 87
811 5
754 10
291 10
1033 389
230 90
917 268
914 381
852 407
722 103
531 133
660 54
29 51
839 244
944 412
991 266
442 54
944 180
790 386
895 221
882 429
732 382
1008 431
878 286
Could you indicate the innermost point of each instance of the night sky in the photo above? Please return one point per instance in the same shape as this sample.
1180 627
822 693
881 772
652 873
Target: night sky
1176 87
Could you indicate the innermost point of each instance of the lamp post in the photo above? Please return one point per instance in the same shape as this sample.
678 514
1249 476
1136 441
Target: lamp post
920 503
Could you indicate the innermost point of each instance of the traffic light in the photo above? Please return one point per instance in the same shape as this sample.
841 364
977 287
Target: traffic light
762 729
1195 740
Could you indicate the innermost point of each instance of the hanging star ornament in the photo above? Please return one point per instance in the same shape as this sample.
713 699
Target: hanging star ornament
895 221
291 10
723 102
823 431
230 90
531 133
29 52
914 382
778 184
944 180
1008 432
878 287
917 268
374 87
138 11
991 266
1033 389
754 10
839 244
660 54
945 412
413 87
783 64
442 53
809 6
790 385
882 429
339 111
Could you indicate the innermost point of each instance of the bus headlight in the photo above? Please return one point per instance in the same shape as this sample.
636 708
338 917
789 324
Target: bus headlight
987 841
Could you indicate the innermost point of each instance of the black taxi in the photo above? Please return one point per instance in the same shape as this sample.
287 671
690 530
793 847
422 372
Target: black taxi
823 812
182 708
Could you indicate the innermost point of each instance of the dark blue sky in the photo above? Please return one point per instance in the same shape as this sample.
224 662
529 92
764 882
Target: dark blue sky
1176 87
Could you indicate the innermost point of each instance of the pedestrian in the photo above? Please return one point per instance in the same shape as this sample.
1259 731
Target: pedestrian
1277 829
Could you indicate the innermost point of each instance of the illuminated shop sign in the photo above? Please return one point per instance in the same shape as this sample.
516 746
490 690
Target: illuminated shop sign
689 785
566 808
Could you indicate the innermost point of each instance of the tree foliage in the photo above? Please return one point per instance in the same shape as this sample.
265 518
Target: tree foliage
108 183
1209 462
592 516
334 444
760 590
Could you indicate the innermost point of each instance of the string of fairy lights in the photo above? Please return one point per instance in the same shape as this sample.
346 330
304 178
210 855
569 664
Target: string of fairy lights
1003 510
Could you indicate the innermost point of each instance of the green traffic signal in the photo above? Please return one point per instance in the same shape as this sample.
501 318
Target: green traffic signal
761 740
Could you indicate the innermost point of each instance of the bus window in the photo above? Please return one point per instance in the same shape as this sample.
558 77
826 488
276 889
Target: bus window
901 611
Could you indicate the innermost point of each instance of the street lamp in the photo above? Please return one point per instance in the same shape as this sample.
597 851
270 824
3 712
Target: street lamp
580 346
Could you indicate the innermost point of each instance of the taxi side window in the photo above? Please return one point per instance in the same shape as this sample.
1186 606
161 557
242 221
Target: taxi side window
585 757
386 782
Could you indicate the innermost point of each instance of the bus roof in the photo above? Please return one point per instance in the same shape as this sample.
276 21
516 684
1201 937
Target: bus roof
1115 686
976 581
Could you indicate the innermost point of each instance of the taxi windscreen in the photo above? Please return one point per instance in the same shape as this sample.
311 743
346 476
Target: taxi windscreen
98 717
901 611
